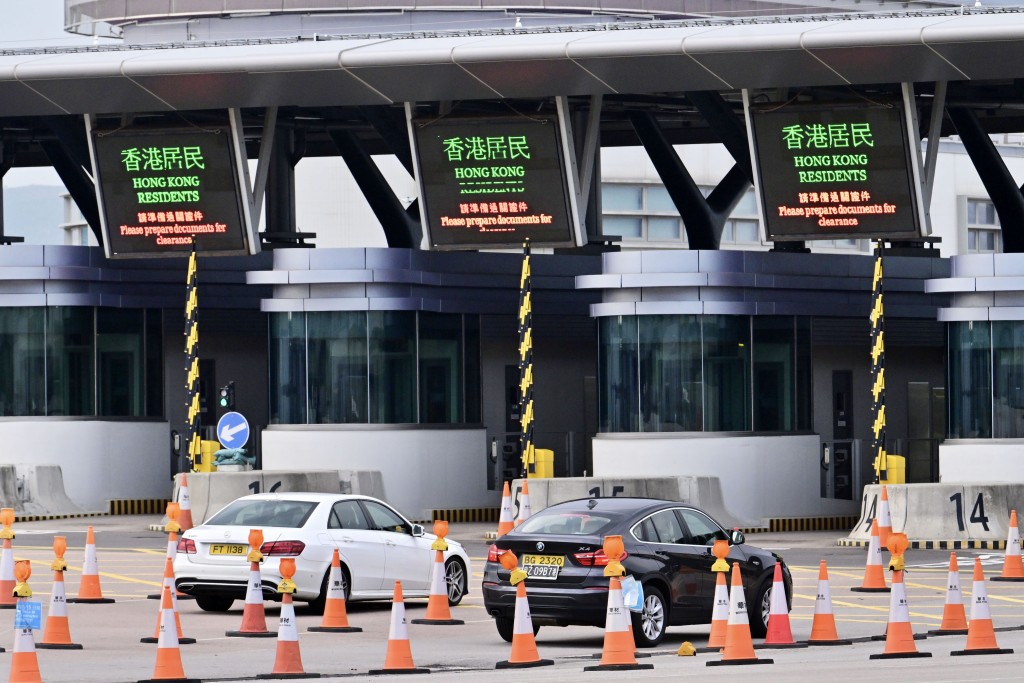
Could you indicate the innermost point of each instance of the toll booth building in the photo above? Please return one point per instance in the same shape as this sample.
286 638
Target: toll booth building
667 340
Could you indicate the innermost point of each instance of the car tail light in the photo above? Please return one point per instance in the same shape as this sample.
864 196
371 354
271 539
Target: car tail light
289 548
596 558
494 554
187 546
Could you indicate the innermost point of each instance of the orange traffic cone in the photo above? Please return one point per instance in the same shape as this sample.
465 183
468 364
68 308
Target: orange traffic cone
524 645
398 658
981 637
168 655
184 505
335 618
823 628
525 511
719 616
884 518
954 620
173 512
254 617
169 583
288 663
505 523
780 634
874 574
438 612
619 651
7 599
24 663
1013 568
57 635
89 591
739 648
899 636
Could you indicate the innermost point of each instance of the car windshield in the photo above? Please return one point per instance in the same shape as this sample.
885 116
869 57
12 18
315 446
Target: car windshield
567 523
263 513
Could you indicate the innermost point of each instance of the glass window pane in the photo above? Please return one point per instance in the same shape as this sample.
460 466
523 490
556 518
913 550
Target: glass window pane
337 359
670 373
154 363
972 212
384 518
773 374
747 206
472 364
1008 380
746 231
617 365
972 240
624 226
970 381
120 358
70 351
659 201
621 197
287 368
21 361
988 240
440 368
727 232
392 367
726 373
663 228
804 379
702 530
666 524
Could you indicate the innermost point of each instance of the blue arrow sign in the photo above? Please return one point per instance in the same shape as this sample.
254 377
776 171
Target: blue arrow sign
232 430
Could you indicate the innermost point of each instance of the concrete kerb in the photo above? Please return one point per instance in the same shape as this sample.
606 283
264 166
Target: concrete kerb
942 516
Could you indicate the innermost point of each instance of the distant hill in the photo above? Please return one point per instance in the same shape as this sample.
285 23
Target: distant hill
34 212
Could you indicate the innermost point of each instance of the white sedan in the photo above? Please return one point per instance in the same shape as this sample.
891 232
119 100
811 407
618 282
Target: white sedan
377 546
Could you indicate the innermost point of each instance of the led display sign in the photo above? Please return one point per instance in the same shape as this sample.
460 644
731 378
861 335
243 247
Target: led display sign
828 172
164 191
493 182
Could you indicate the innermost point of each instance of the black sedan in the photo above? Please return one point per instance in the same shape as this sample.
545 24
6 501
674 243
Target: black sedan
668 549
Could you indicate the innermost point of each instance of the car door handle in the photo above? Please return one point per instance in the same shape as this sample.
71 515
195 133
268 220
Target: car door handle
347 539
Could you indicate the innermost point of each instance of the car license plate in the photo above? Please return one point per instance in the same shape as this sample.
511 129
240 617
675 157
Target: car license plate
228 549
543 567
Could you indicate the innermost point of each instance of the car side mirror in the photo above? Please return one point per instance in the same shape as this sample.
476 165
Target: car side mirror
417 529
737 537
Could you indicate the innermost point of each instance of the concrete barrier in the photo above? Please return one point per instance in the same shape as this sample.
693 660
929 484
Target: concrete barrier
36 490
946 516
702 492
211 491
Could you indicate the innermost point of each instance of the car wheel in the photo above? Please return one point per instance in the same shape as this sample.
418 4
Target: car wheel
505 626
649 625
759 609
455 580
214 603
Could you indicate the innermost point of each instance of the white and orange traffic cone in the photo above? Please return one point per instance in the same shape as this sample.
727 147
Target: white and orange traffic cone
823 628
57 634
168 654
254 617
899 635
24 662
884 518
7 599
398 658
719 616
525 510
619 650
874 572
981 637
1013 568
524 645
505 523
739 648
90 591
288 662
954 619
438 611
184 505
335 619
169 583
172 527
780 633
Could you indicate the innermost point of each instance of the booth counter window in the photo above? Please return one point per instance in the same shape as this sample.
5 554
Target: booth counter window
986 380
704 373
376 367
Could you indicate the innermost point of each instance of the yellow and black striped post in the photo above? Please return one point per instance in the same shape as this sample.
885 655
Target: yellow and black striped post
192 365
526 366
878 370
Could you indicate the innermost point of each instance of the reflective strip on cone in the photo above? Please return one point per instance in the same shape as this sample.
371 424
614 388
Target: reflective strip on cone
505 522
884 518
7 581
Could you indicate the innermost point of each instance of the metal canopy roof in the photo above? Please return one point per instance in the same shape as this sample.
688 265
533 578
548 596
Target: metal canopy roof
640 59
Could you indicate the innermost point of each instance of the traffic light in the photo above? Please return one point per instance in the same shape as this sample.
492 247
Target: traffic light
227 396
